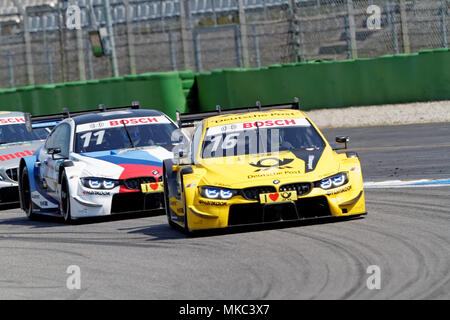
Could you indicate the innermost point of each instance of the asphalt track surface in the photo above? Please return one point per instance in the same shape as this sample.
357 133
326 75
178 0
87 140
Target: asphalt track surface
406 234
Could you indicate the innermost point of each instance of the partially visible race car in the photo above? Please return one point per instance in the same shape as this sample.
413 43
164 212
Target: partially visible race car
256 165
16 142
97 163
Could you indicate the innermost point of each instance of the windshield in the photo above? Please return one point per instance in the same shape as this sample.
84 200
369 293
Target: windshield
18 133
267 136
112 134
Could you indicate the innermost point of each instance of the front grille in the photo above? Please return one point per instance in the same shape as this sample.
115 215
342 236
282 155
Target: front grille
254 192
135 183
9 195
313 207
302 188
245 214
136 201
12 174
304 208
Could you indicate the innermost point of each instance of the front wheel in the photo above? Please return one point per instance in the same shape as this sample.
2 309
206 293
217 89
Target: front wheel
25 193
65 200
166 197
186 229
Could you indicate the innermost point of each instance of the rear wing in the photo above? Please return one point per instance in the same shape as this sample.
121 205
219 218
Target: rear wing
51 120
189 119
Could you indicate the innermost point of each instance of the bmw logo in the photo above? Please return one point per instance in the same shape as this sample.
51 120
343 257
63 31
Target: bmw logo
155 172
276 181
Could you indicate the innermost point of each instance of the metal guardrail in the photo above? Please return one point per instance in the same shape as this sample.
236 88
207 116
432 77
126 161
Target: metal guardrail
141 10
160 36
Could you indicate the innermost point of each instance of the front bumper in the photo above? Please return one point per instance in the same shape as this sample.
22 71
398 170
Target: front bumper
345 201
87 202
115 203
136 201
9 195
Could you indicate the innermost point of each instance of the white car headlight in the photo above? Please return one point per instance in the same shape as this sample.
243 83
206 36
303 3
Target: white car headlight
109 184
99 183
217 193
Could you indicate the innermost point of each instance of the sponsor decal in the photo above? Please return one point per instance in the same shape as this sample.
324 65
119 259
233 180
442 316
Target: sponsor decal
310 162
272 123
152 187
246 116
21 154
120 122
268 163
96 193
276 123
278 197
310 157
11 120
336 191
212 203
278 173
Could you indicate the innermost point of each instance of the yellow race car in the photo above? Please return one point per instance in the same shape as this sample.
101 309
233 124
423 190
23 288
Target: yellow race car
256 165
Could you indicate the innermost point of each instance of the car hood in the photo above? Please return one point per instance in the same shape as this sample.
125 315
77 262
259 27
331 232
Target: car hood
11 153
134 162
243 171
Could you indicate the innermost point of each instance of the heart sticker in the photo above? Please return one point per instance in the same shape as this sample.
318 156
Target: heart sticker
154 186
273 196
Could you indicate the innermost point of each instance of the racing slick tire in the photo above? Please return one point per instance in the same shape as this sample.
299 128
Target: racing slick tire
65 199
25 195
186 229
167 171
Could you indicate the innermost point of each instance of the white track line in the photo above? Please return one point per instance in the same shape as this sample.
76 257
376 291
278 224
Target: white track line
407 184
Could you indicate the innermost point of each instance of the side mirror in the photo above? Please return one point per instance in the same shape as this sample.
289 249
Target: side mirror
53 151
343 139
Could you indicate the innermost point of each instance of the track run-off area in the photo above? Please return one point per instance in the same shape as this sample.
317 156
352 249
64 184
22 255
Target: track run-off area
406 236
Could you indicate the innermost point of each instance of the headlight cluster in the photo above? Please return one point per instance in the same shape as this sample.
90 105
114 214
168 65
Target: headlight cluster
334 181
99 183
217 193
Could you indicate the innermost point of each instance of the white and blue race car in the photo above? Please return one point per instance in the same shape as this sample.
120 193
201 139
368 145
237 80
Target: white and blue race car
97 163
16 142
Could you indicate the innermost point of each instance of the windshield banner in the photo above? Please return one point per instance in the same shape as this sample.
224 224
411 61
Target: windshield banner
120 122
270 123
11 120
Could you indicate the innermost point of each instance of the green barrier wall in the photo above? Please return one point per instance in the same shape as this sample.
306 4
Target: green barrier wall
423 76
161 91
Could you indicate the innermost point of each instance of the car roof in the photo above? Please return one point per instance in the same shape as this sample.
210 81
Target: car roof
7 114
110 115
251 116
